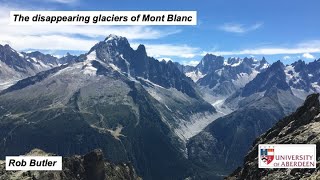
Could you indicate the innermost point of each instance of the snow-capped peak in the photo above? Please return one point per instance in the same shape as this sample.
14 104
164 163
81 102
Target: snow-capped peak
113 37
195 75
92 56
87 67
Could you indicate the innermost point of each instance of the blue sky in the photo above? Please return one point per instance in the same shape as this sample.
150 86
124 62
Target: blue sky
287 30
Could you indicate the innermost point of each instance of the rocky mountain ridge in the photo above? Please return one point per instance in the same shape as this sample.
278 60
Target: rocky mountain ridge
15 66
86 167
301 127
222 77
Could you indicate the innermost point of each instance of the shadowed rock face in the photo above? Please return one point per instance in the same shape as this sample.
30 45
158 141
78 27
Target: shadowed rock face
136 63
105 101
87 167
273 77
301 127
94 165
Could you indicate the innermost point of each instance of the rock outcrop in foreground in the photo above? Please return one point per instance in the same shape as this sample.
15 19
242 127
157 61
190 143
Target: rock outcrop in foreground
87 167
301 127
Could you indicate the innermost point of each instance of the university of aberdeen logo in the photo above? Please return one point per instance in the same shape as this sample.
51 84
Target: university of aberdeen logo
287 156
267 155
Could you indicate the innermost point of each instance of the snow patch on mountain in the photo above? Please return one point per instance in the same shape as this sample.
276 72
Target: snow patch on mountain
114 67
21 55
128 65
291 74
89 70
265 66
195 75
40 65
112 37
236 64
316 86
92 56
6 84
244 78
150 83
117 132
232 62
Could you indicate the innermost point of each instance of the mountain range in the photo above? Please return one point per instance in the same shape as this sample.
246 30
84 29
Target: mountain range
15 66
169 120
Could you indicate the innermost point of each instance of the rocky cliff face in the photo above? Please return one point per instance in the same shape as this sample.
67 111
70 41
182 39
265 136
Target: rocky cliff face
116 51
301 127
114 98
87 167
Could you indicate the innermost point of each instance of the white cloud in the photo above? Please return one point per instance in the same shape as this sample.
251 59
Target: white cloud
239 28
301 48
47 42
190 63
286 57
37 34
171 50
308 56
68 37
